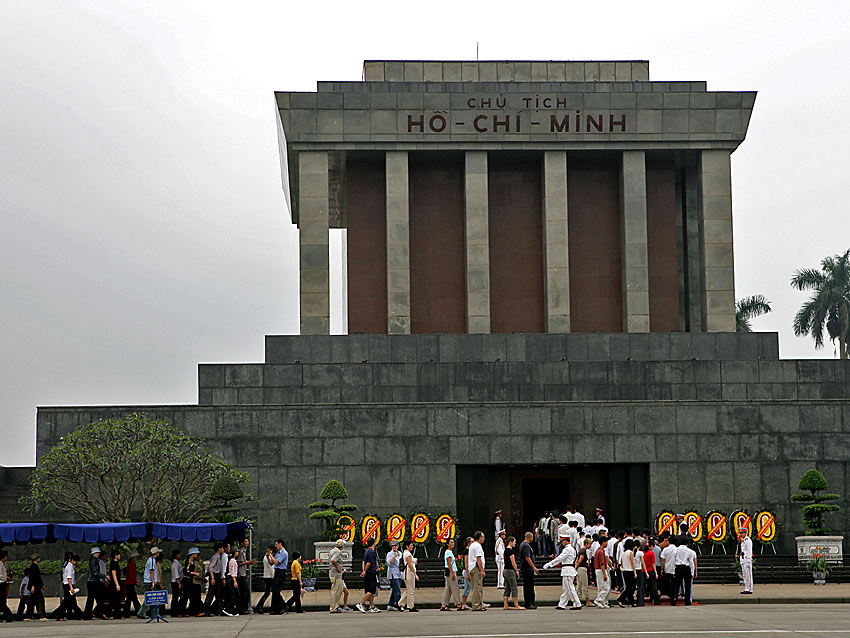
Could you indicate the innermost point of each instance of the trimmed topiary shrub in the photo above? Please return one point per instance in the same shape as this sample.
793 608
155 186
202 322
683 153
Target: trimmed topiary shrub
333 491
814 514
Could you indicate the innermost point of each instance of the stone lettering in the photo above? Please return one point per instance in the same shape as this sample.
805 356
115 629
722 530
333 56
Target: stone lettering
621 123
559 127
596 124
437 123
411 123
506 123
512 122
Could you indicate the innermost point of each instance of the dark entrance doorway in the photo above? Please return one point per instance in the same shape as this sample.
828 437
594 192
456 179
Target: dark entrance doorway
524 492
543 495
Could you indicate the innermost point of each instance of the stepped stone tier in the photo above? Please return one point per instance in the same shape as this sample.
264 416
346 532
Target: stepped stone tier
540 311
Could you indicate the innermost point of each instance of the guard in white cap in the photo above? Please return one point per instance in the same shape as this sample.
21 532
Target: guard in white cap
500 558
746 559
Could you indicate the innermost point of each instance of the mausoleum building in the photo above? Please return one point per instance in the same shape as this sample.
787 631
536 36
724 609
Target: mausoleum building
540 310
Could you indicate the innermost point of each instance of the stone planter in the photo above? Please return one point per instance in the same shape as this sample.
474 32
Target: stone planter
309 584
384 582
828 547
323 552
820 578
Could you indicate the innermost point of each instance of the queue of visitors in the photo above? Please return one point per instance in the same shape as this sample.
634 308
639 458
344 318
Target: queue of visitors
639 567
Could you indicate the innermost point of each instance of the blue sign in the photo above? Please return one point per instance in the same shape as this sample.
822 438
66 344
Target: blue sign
156 597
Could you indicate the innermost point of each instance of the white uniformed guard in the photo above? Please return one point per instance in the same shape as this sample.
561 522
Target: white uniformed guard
746 559
500 559
567 560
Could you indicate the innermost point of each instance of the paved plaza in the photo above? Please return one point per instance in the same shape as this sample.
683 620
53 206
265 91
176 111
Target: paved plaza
705 620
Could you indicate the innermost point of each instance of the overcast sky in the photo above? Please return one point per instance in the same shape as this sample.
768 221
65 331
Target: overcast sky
143 224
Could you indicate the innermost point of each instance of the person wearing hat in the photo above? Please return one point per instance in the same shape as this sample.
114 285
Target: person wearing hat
500 558
499 525
194 579
335 572
745 556
150 578
600 518
566 559
394 575
94 587
131 581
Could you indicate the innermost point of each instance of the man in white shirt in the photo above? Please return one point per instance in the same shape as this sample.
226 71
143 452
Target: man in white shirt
668 568
476 572
567 560
500 559
683 571
579 517
542 534
572 533
693 564
563 527
746 559
498 523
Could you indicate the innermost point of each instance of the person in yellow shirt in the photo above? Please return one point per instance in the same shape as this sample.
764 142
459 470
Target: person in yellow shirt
297 584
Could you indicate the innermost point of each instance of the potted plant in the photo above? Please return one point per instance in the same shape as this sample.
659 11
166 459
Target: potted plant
309 574
819 568
329 512
817 538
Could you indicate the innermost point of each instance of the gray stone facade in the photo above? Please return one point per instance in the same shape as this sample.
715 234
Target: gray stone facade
717 419
551 107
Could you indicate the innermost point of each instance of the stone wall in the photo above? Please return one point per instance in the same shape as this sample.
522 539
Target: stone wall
720 421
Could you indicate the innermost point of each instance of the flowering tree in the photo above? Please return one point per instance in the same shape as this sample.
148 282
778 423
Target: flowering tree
128 469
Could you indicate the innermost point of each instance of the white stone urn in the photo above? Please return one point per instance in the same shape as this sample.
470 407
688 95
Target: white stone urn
828 547
323 553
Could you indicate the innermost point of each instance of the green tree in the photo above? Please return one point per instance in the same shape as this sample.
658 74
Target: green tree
814 514
829 305
225 493
128 469
333 491
749 308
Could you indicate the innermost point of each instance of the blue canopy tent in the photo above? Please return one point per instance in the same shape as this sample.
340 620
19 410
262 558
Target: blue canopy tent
24 533
201 532
101 532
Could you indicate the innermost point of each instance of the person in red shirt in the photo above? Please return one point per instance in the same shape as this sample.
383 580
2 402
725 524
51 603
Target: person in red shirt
651 574
600 566
131 580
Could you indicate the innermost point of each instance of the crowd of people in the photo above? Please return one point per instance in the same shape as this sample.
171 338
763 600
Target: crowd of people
113 591
633 563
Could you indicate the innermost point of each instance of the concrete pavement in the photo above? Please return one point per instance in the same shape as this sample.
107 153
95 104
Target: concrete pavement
737 621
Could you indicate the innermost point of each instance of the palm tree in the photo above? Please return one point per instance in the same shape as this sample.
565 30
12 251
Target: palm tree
829 305
750 308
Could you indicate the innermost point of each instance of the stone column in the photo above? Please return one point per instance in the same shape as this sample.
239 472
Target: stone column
718 268
635 260
398 244
313 242
477 209
556 253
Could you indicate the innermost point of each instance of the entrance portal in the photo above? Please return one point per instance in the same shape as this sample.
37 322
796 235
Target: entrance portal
524 492
543 495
